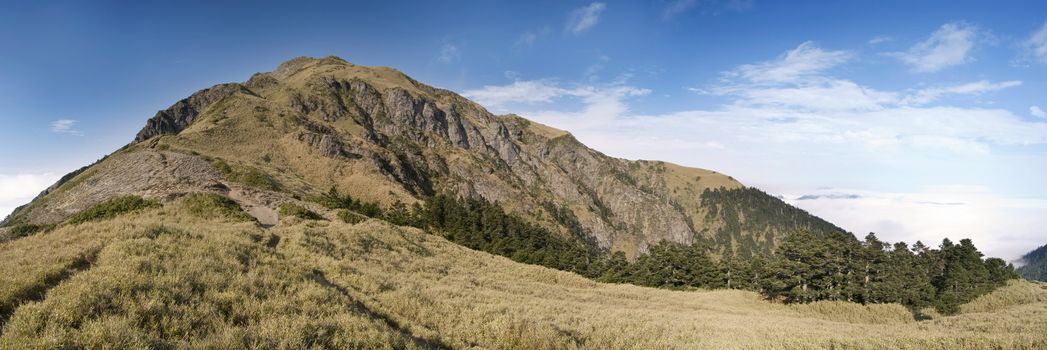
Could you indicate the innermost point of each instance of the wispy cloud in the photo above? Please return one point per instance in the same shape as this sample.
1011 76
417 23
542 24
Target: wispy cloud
808 197
948 46
592 72
792 100
531 91
526 39
677 7
606 99
1037 44
927 95
715 7
584 18
449 53
794 109
65 126
804 61
1037 112
879 40
800 78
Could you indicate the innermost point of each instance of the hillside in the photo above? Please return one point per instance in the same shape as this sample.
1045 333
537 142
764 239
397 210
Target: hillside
1035 264
380 136
192 274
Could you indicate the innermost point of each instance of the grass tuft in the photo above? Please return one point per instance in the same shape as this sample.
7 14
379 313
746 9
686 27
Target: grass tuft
350 217
111 208
246 175
290 209
212 205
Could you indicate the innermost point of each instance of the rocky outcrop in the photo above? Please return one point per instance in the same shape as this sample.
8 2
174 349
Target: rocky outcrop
147 173
176 118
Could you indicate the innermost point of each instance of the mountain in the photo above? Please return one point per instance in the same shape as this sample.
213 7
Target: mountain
1034 264
329 205
380 136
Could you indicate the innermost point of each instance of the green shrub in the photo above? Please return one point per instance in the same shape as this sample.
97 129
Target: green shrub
222 167
22 230
289 209
212 205
334 200
351 217
113 207
258 179
247 175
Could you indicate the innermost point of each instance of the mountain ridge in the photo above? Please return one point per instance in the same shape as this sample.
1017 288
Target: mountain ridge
382 136
1034 264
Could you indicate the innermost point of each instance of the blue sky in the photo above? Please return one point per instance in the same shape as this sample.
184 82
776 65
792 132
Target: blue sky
917 121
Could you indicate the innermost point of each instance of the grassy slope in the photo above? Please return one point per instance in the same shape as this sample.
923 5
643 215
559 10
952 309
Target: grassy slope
164 277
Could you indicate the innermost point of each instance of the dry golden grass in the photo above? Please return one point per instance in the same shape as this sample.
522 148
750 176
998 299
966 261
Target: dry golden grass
166 278
163 282
470 298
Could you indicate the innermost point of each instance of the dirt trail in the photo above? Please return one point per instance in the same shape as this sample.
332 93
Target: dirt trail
256 204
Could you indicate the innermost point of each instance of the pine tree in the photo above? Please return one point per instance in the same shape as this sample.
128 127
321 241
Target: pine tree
736 272
873 257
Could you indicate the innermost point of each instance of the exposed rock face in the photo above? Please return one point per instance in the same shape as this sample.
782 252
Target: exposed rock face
148 173
379 135
176 118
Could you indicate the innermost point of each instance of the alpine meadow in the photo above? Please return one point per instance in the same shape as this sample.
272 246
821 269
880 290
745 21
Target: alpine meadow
329 204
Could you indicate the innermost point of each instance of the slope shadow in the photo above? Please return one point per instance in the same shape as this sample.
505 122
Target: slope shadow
320 278
39 291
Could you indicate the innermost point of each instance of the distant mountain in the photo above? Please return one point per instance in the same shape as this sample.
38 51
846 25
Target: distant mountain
378 135
1035 264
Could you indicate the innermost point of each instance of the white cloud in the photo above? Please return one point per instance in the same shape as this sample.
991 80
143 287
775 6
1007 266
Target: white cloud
924 96
449 53
948 46
582 19
526 39
1037 112
798 79
826 94
65 126
1037 44
531 91
879 40
1004 227
591 72
789 122
678 7
714 7
804 61
793 100
19 189
737 5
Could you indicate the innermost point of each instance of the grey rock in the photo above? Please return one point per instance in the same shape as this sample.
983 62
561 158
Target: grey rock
179 116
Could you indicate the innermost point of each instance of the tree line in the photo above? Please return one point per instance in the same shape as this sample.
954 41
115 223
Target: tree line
1035 264
804 268
807 268
743 212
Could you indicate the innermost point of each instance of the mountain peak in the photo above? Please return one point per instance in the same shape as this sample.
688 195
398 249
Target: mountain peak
294 65
379 135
